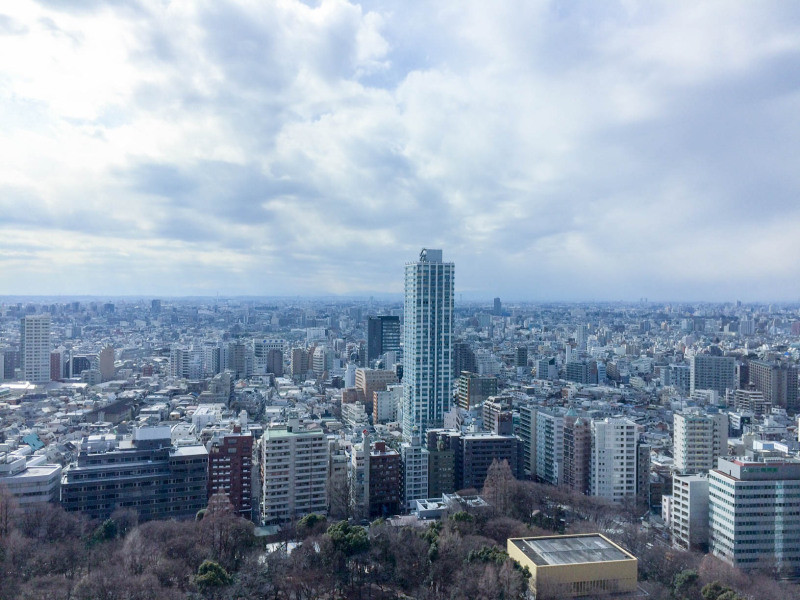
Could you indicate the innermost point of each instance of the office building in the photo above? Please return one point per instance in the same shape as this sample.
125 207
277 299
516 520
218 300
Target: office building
751 401
144 473
385 404
29 480
475 453
293 472
754 513
35 348
427 342
710 372
698 440
383 335
300 362
497 416
679 377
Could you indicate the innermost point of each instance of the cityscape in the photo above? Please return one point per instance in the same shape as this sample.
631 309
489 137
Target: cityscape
629 426
399 300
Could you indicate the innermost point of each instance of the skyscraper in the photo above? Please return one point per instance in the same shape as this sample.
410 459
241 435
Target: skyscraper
35 348
427 342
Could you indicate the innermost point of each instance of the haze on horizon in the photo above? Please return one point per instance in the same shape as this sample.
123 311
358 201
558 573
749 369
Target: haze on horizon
554 151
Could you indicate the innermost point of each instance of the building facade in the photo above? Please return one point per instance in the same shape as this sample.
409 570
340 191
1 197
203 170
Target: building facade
427 342
35 348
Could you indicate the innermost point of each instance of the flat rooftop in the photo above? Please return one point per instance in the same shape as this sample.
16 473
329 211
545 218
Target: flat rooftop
568 550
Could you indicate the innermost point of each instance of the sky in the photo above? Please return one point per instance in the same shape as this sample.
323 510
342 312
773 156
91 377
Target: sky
553 150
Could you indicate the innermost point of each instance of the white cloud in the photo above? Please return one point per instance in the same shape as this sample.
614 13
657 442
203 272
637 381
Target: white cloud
594 150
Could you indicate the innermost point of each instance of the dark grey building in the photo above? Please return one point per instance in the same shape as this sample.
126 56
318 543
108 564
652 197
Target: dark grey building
383 335
144 473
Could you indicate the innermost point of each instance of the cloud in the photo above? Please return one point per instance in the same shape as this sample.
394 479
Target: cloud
589 150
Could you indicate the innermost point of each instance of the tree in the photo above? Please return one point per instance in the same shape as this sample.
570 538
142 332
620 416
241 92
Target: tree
311 524
348 539
212 574
499 486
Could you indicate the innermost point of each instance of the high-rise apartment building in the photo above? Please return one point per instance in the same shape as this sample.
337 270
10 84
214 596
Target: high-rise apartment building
294 471
754 513
614 459
698 440
427 342
690 512
777 380
35 348
230 468
577 453
105 361
369 381
709 372
463 359
383 335
415 471
550 447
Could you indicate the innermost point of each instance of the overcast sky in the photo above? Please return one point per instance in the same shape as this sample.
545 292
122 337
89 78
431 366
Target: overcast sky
554 150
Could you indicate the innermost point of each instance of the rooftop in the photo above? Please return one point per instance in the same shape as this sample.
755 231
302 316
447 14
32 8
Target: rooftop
570 549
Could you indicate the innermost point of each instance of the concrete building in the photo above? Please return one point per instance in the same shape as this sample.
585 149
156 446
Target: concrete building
571 566
577 453
441 462
385 481
415 471
427 342
230 468
293 472
698 439
777 380
751 401
679 377
383 335
709 372
550 447
754 513
546 368
385 404
463 358
300 362
369 381
28 479
497 416
35 348
689 512
528 414
144 473
614 459
472 389
476 452
105 362
265 354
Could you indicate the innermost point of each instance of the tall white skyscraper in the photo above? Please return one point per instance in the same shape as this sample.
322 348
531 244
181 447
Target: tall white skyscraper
35 348
427 342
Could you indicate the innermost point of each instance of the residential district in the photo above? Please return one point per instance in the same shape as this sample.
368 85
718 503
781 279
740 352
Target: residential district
682 414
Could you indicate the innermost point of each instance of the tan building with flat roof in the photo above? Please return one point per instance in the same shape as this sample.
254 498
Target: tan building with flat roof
571 566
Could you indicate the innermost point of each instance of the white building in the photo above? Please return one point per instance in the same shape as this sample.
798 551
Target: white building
35 348
698 440
754 513
415 472
294 472
689 512
28 479
614 459
428 342
550 447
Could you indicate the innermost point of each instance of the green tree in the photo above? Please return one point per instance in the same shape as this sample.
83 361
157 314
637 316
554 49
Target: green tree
348 539
212 574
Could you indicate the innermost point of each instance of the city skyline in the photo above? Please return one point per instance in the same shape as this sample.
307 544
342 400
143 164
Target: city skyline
588 152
